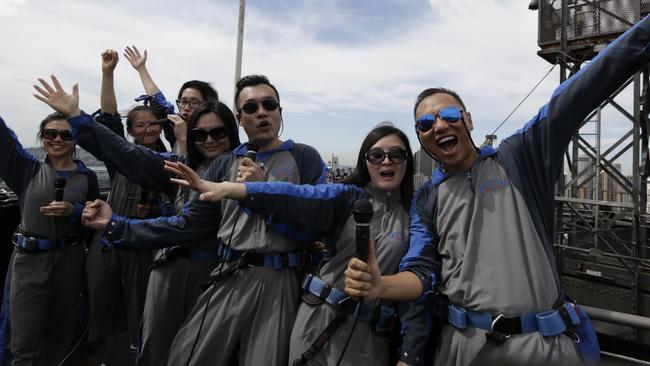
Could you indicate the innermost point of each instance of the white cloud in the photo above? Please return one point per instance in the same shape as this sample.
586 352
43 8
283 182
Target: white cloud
330 87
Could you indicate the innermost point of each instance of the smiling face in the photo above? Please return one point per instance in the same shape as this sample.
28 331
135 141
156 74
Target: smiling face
449 142
57 148
387 175
141 133
262 125
211 148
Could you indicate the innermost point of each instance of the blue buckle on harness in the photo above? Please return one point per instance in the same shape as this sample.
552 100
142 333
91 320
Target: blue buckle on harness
32 244
548 323
318 287
337 298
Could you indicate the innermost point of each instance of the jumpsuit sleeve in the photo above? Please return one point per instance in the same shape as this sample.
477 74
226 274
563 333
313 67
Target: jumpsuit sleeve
537 148
422 257
196 220
304 207
415 331
310 164
138 164
161 107
17 165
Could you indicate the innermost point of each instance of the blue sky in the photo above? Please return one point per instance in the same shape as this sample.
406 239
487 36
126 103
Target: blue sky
341 66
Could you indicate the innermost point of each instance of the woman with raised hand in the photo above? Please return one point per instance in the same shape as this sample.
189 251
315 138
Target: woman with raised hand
178 272
384 175
191 94
48 261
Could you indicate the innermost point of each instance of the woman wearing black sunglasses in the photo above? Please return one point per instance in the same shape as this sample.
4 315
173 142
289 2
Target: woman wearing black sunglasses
178 272
384 175
47 265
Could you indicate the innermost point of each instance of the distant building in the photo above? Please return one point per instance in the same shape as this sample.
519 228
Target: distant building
424 166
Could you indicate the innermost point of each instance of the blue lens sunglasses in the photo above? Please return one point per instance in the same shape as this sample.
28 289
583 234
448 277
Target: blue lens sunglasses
448 114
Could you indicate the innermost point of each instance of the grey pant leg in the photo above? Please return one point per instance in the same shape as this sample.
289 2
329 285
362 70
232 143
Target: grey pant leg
62 328
235 318
103 273
171 295
135 276
30 287
265 340
365 348
45 290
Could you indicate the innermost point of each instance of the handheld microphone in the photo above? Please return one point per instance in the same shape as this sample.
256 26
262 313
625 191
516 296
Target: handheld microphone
362 213
59 184
252 149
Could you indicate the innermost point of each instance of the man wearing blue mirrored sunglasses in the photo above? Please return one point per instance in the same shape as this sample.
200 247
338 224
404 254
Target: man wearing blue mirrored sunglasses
482 229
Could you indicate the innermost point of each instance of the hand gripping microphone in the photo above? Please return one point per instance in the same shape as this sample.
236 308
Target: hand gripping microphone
59 184
252 149
362 213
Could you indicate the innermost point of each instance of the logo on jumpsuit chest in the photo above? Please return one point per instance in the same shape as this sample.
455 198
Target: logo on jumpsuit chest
493 185
280 174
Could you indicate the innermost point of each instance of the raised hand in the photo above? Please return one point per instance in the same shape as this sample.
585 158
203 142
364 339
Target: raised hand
364 279
210 191
54 96
109 60
187 176
137 60
96 215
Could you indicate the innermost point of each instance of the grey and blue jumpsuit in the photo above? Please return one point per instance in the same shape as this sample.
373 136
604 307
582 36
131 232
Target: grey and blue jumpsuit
178 273
48 262
117 280
246 314
327 209
483 237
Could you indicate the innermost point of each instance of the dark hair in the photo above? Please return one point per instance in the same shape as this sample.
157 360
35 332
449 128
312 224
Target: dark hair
253 80
160 147
206 90
432 91
194 157
361 177
56 116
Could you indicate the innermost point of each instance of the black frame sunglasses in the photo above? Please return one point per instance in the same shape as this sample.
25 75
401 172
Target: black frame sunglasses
396 155
201 135
50 134
192 103
447 114
269 104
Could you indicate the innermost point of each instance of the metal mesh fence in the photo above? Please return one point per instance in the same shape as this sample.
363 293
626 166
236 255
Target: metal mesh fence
588 18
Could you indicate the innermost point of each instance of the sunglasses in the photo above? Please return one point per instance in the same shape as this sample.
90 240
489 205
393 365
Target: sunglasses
49 134
448 114
201 135
376 155
268 104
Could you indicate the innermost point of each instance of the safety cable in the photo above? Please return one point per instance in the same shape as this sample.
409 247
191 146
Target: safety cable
522 101
357 311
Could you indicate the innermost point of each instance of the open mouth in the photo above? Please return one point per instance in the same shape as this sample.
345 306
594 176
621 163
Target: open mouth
447 143
387 173
264 124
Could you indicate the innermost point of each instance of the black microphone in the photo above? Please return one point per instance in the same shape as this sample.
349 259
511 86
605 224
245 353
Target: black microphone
59 184
362 213
252 149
